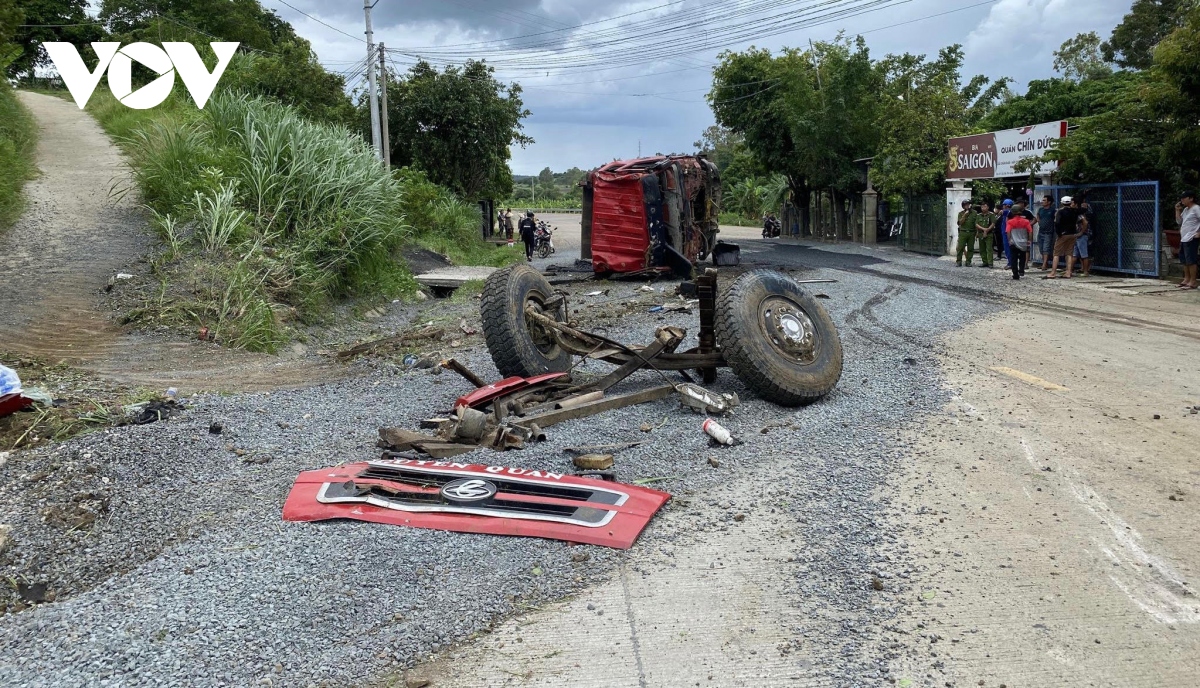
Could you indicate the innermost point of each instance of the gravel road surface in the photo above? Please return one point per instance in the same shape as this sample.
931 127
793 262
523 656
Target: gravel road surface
805 556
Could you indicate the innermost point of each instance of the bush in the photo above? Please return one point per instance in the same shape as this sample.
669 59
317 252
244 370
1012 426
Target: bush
445 224
18 138
266 216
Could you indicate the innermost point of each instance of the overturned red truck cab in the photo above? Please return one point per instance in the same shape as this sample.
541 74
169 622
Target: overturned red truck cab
652 215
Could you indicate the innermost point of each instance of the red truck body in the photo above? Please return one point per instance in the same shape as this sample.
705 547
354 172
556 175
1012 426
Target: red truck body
655 214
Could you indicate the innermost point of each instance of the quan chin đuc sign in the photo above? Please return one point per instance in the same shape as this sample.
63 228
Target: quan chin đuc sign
118 62
996 154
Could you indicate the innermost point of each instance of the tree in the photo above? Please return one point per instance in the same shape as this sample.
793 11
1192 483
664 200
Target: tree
1174 96
804 114
244 21
49 20
924 105
1048 100
10 17
457 126
546 177
292 75
1133 40
1080 58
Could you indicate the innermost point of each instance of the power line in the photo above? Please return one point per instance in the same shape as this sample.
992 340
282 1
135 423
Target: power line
329 26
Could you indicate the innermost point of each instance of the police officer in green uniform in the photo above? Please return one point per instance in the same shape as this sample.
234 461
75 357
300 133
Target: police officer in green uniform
985 225
966 233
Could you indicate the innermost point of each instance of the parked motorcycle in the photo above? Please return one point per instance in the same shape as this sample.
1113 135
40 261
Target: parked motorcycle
543 240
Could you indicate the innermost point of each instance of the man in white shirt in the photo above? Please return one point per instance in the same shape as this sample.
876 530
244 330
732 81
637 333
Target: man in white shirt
1187 214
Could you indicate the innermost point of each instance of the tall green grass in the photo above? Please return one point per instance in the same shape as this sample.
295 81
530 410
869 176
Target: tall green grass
18 140
266 216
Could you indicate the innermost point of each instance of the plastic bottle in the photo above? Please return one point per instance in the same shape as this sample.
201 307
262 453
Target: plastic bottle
718 433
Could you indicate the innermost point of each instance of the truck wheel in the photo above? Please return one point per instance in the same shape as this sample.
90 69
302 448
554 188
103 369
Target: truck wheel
519 347
777 339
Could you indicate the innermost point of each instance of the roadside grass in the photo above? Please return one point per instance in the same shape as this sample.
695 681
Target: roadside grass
83 404
736 220
18 141
266 218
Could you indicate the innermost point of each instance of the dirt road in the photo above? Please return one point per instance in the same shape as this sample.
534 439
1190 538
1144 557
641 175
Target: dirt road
80 230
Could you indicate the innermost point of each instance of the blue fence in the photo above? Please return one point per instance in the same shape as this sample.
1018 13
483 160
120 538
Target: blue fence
1127 227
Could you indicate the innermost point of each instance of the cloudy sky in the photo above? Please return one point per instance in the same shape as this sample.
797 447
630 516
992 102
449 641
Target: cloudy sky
602 84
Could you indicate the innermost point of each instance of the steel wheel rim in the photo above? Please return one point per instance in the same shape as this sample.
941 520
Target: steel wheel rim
790 330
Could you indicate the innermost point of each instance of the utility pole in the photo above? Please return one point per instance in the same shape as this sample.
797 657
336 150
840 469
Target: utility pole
533 191
383 110
374 97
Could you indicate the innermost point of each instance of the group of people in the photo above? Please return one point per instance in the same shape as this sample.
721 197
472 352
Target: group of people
1062 233
526 228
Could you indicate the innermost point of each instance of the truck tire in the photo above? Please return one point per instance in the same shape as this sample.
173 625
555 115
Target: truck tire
519 348
778 340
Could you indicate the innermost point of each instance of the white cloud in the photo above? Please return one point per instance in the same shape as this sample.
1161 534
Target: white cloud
1018 38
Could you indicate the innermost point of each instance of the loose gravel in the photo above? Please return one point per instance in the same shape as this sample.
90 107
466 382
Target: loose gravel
167 561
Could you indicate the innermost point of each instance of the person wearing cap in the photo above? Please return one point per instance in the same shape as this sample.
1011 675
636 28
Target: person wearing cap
966 234
1187 214
1065 221
985 229
528 227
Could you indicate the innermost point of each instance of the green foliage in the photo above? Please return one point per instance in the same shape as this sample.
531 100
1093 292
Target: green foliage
244 21
1080 58
924 105
18 138
457 126
1174 97
1133 40
56 20
11 17
273 214
808 115
445 224
1054 99
293 77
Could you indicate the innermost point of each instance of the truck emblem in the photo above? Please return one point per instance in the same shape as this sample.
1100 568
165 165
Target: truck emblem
469 491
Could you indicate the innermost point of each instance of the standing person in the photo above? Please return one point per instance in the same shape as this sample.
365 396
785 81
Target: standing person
1045 230
1187 214
1002 229
1084 244
1020 237
1064 235
528 227
1081 230
508 224
985 228
966 234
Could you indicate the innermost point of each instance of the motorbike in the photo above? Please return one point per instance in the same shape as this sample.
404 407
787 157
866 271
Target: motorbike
543 240
772 228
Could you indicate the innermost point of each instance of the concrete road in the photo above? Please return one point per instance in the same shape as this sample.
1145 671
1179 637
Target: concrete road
1049 511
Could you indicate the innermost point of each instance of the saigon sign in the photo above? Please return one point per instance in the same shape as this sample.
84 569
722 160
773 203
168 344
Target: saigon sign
984 156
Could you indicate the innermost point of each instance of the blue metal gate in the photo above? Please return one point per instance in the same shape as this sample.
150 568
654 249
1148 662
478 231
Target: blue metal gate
1126 234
